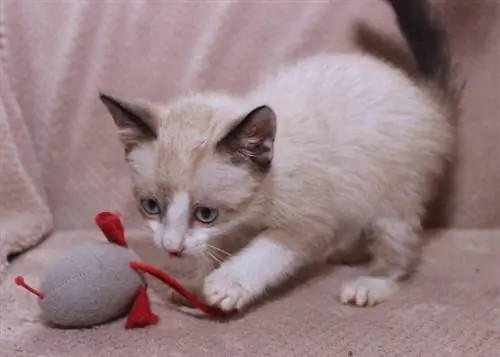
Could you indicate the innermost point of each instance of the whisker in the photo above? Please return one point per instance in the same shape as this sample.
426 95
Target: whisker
205 260
219 250
214 257
209 264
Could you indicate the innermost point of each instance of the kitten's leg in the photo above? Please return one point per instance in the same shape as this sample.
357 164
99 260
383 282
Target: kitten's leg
395 251
262 264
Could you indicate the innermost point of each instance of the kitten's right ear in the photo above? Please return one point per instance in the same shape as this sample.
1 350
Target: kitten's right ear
252 138
135 122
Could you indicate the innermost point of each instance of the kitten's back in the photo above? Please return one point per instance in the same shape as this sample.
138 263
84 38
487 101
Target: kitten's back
355 127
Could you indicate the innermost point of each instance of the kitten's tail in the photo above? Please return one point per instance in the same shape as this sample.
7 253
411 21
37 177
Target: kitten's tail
429 44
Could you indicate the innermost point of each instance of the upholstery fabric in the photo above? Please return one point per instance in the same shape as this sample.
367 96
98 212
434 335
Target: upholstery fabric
61 163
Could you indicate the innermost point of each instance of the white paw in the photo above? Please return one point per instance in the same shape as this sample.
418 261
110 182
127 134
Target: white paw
367 291
225 290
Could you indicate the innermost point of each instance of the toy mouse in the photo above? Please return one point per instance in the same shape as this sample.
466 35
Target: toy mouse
96 283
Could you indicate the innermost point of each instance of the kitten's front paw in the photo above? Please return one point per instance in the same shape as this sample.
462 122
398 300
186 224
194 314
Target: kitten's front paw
225 290
367 291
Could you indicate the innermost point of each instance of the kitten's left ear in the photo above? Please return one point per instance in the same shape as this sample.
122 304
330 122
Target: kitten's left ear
135 122
252 138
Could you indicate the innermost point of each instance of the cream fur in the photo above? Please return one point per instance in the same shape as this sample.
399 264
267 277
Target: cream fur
358 149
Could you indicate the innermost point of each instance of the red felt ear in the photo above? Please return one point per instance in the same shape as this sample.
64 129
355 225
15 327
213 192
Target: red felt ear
112 227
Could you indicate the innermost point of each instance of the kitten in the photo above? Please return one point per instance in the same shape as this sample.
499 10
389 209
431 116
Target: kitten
322 154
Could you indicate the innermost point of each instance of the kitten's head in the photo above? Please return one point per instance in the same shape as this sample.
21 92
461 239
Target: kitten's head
196 165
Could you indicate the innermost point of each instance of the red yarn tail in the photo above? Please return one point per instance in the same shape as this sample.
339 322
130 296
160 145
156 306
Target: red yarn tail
20 282
112 227
192 298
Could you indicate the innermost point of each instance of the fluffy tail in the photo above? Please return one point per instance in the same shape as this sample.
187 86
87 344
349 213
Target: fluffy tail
429 44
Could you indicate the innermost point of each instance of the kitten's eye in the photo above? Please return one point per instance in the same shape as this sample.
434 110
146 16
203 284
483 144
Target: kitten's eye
205 214
150 206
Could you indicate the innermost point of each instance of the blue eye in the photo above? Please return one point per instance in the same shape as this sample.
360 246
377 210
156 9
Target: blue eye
150 206
205 214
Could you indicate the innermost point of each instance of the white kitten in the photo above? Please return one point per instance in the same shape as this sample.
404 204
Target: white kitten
322 154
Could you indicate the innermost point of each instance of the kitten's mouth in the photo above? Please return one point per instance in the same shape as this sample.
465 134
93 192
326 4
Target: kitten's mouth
175 253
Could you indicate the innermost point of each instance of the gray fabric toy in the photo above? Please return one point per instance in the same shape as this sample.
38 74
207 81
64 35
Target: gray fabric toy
95 283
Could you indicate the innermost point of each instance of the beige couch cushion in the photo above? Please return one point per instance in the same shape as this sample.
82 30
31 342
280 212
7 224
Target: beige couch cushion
60 152
24 215
451 309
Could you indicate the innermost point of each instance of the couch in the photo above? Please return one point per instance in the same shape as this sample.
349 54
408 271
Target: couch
61 163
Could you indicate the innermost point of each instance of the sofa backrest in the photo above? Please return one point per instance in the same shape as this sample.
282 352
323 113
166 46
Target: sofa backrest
59 55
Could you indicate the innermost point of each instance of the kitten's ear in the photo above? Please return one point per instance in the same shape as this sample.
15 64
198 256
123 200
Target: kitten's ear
252 138
135 123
